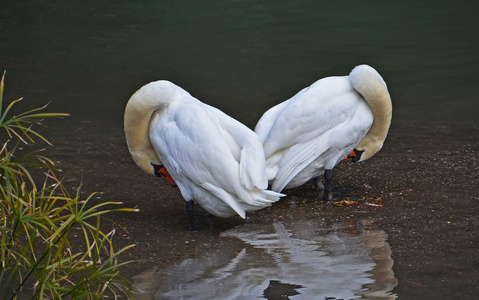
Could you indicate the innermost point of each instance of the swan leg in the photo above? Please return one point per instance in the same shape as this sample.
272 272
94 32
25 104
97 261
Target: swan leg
318 185
190 207
328 185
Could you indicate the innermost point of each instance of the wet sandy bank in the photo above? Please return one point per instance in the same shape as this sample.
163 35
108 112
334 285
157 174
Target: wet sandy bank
425 178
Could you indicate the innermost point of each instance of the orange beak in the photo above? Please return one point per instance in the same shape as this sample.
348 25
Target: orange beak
350 156
164 173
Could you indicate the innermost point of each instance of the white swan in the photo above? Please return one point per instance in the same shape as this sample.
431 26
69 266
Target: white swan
214 160
317 128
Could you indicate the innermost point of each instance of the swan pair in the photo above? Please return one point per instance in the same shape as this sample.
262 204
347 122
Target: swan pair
225 167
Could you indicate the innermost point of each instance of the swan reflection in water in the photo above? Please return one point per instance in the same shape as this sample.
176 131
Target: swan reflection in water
304 261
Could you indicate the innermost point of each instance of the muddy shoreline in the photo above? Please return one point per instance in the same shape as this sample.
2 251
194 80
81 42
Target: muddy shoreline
425 178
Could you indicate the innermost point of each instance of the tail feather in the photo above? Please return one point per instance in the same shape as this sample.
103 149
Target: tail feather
262 198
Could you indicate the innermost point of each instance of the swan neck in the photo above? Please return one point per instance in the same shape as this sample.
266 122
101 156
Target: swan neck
140 109
367 82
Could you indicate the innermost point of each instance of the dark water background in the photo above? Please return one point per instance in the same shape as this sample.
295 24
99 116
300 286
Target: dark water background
87 57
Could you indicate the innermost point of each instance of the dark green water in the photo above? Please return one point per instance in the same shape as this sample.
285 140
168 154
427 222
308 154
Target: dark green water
87 57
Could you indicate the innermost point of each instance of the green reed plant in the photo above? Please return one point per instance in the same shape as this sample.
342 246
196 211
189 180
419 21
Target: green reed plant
51 243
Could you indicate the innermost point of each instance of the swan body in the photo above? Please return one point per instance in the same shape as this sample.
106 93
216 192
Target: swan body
310 133
213 159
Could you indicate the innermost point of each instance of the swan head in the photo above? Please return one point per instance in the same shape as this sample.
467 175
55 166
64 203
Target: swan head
363 151
161 171
367 148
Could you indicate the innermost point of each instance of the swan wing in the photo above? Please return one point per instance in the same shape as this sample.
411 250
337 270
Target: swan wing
188 140
250 158
306 115
211 150
310 113
312 121
296 159
253 183
267 120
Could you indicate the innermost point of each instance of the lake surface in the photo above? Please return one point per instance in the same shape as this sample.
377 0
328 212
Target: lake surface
88 57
